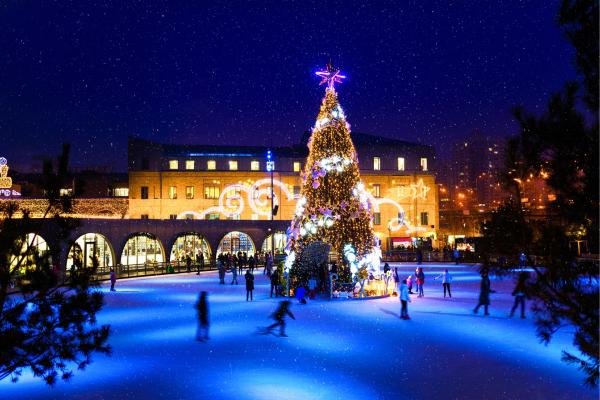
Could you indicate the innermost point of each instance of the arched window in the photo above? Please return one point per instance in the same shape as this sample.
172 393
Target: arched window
234 242
90 246
191 244
142 248
279 240
33 248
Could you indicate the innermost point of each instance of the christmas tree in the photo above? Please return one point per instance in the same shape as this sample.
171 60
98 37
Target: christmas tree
334 207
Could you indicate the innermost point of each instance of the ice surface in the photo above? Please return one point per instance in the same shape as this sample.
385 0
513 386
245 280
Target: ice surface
341 349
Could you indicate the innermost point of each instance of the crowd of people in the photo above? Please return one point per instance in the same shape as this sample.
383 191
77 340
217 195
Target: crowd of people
405 289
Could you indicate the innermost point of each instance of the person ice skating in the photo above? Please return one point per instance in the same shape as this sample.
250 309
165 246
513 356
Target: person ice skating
386 267
221 268
404 299
234 275
279 317
113 279
520 293
446 280
275 283
456 255
420 281
409 282
522 260
202 308
484 294
188 263
251 264
249 285
199 262
300 292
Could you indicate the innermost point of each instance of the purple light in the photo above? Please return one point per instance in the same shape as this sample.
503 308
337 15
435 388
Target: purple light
331 76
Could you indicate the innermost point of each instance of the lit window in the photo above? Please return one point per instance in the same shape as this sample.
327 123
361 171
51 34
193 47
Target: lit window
189 165
400 163
233 166
66 192
212 192
376 218
255 165
211 165
423 164
212 216
424 218
296 166
377 190
172 192
234 193
189 192
254 217
173 164
376 163
121 192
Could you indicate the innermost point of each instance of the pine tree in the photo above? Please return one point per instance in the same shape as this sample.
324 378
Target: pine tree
334 207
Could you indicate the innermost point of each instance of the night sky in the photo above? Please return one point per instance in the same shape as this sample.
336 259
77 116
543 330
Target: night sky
93 73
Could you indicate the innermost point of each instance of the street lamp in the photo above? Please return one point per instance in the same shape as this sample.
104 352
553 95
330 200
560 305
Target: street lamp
271 168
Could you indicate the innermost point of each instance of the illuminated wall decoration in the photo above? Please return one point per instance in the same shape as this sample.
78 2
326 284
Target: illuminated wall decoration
5 181
414 191
257 196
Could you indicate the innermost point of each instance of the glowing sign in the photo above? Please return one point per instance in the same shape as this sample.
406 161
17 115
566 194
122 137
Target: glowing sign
5 181
414 191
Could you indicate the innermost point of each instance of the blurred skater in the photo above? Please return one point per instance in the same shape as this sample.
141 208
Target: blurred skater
279 317
202 308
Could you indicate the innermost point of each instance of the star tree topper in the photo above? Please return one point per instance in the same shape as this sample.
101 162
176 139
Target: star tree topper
331 76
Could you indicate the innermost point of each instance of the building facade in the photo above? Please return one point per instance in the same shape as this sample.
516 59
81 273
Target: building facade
233 183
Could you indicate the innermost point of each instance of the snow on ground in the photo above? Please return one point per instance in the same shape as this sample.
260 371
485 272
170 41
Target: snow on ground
340 349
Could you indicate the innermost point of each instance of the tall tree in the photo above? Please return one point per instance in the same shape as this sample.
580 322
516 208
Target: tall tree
561 146
47 324
333 205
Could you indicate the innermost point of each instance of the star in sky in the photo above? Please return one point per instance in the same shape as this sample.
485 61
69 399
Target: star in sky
331 76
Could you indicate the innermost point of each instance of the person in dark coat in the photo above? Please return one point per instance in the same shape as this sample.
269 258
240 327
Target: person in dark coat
251 263
275 283
199 263
520 292
113 279
249 285
484 294
188 263
279 317
202 308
